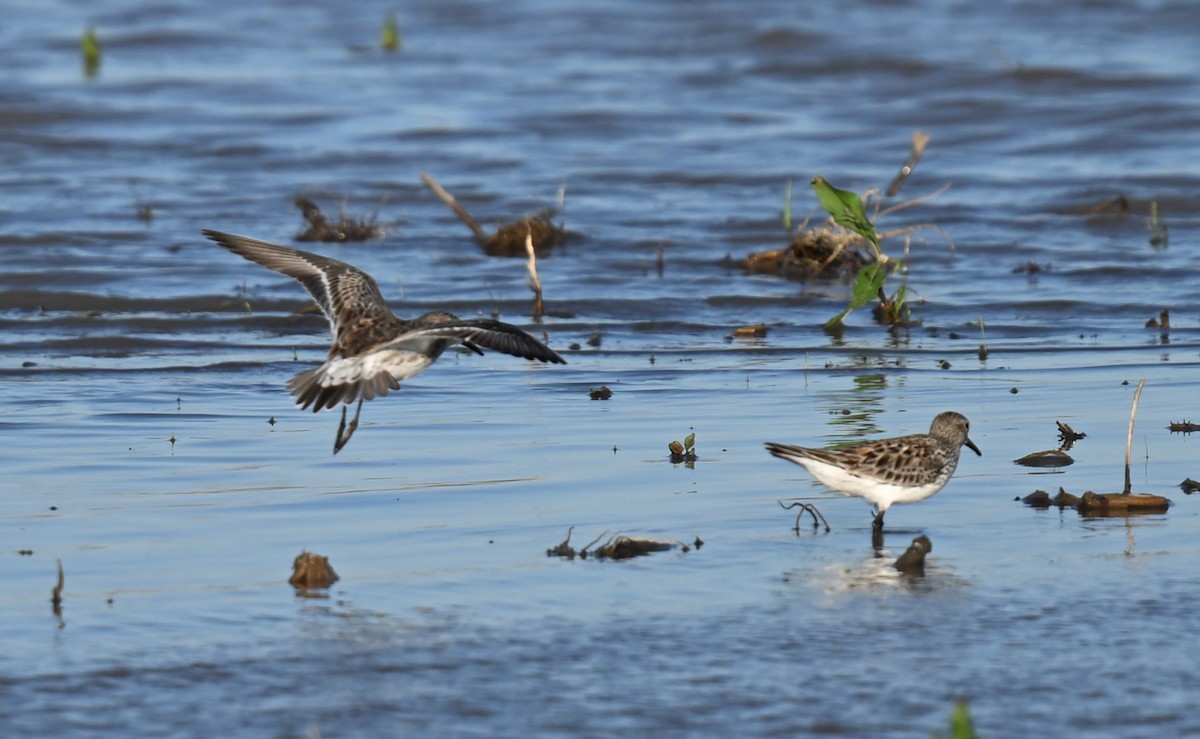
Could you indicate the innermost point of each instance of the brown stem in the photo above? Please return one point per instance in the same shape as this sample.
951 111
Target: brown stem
449 200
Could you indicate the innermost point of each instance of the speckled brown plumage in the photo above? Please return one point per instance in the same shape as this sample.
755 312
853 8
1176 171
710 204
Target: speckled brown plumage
902 469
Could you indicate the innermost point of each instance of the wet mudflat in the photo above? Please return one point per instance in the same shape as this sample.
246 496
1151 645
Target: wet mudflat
142 367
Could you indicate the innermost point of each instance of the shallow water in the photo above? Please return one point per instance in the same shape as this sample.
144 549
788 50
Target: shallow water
141 365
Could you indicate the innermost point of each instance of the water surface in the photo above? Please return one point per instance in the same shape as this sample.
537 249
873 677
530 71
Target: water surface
141 367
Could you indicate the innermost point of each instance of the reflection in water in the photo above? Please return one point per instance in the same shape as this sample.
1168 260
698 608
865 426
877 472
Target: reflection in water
854 410
879 571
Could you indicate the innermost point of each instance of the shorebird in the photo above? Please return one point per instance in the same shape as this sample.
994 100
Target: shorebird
372 350
903 469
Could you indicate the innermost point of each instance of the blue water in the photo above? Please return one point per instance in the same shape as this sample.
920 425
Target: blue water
141 367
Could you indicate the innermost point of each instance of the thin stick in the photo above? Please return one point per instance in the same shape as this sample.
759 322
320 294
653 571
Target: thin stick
449 200
534 283
919 140
1137 396
56 593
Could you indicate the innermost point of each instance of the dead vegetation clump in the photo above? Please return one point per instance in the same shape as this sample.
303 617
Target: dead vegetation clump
827 252
318 227
619 546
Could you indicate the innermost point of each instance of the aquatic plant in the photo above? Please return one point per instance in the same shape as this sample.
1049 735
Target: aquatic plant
685 452
389 34
961 726
89 45
846 209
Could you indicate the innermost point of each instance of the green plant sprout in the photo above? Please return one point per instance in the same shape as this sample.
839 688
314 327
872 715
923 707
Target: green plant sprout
389 35
846 209
961 726
90 46
685 452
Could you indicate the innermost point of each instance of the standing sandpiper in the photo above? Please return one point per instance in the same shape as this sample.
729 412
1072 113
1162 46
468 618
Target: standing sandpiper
903 469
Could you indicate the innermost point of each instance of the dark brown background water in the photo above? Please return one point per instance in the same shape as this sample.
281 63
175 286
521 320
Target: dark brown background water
672 126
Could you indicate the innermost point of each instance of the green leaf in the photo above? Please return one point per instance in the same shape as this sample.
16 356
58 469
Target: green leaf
847 210
689 442
867 283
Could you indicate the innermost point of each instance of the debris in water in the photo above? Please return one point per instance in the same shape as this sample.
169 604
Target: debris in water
750 332
808 508
1121 504
319 228
600 393
619 547
509 238
821 253
1183 427
312 572
1189 486
625 547
1048 458
564 548
912 562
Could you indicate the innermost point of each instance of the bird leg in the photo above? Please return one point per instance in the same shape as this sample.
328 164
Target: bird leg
344 433
877 532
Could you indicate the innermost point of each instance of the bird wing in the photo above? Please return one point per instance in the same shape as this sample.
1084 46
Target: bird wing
475 333
339 289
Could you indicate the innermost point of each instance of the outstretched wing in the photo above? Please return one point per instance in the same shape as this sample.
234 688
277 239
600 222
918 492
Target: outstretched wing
340 289
475 333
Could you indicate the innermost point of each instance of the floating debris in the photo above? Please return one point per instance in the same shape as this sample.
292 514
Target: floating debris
320 228
912 562
1099 504
1048 458
810 509
750 332
1121 504
600 393
1189 486
1183 427
626 547
563 548
619 547
312 572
